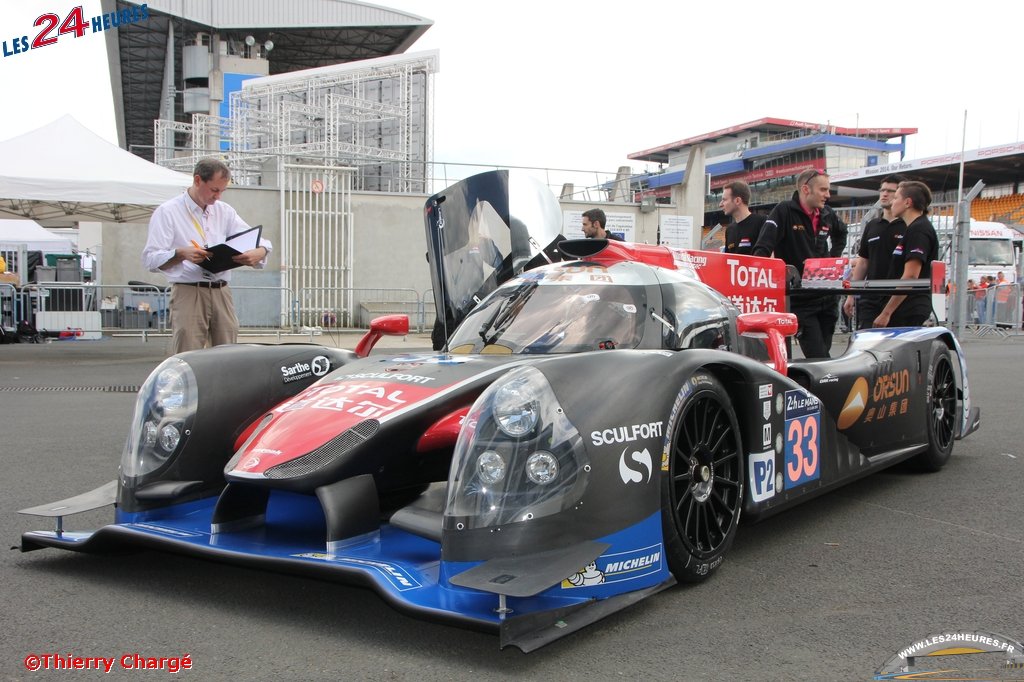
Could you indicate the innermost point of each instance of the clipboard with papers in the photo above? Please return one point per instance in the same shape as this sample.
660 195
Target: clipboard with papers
240 242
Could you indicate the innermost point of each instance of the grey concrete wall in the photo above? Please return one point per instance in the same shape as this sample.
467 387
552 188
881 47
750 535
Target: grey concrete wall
123 242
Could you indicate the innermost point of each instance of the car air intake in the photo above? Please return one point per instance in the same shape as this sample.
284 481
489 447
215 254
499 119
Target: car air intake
326 454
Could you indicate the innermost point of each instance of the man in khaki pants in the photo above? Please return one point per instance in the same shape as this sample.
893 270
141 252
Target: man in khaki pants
202 310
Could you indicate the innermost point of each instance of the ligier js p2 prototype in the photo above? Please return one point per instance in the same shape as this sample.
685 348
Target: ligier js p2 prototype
597 425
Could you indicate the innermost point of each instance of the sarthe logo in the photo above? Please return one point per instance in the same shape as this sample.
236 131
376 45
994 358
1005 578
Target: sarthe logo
629 475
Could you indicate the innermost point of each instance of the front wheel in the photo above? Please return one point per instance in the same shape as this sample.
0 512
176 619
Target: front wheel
702 493
942 409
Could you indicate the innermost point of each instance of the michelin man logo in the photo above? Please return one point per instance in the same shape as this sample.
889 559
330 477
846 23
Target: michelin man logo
629 475
588 576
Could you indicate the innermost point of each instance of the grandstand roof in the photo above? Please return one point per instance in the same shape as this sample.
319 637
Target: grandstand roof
998 165
768 125
305 34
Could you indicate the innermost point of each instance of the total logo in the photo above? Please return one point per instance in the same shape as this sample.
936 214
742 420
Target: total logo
630 475
855 404
749 275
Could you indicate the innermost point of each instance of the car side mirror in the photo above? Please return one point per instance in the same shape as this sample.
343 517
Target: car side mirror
774 328
390 325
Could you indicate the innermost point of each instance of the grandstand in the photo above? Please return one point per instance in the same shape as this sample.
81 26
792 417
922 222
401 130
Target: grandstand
768 154
1007 209
999 168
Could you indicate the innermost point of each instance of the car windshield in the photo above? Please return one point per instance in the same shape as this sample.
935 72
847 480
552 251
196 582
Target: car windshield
530 316
991 252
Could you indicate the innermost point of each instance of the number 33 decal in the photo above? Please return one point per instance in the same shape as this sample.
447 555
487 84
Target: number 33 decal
802 460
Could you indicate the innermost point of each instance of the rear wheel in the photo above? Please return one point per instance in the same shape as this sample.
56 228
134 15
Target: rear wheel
702 494
942 409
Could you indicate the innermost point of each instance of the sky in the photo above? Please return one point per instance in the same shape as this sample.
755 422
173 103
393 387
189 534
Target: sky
581 84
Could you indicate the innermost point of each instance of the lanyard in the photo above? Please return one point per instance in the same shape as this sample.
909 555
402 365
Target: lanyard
195 223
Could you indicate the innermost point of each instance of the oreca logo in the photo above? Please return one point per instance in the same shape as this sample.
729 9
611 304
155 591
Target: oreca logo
630 475
855 403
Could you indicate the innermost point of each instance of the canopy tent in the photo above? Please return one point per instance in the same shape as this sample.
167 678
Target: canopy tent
64 170
33 235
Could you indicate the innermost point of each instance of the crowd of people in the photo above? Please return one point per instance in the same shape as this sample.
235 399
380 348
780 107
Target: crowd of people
991 296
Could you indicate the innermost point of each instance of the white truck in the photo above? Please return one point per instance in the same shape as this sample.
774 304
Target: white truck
994 248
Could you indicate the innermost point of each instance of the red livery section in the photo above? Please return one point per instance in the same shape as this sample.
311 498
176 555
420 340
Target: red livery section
320 413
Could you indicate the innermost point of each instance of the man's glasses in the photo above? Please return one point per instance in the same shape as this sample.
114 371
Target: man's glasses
814 173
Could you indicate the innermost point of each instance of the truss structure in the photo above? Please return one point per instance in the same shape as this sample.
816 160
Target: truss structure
374 116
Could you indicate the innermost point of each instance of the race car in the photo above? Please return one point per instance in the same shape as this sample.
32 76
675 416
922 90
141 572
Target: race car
594 429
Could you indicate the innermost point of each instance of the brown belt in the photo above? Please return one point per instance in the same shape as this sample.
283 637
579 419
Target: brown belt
206 285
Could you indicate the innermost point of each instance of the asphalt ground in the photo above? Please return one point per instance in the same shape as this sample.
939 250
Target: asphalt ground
827 591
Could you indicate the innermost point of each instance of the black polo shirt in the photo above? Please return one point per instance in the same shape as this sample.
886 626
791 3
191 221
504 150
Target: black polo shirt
876 246
740 237
920 243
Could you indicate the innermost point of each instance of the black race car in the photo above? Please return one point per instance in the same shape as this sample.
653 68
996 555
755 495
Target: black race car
595 428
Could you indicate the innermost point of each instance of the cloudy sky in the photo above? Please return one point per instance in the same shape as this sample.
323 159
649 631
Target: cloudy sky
580 84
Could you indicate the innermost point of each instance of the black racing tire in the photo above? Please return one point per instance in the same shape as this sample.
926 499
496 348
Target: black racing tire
702 491
942 409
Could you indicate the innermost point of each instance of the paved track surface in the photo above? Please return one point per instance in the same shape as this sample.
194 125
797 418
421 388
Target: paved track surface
827 591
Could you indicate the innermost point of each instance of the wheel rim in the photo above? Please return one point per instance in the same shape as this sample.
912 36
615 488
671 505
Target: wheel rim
943 405
705 474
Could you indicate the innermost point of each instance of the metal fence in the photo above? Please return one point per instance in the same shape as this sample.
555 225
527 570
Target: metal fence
87 310
995 310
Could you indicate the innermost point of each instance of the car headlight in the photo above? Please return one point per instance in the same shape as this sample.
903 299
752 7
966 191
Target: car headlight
164 411
490 467
542 468
518 457
515 409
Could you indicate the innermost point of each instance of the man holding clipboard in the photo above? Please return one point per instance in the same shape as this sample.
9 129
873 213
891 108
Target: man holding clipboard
196 240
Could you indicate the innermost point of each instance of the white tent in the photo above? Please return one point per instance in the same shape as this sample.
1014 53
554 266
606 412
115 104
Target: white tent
64 170
33 235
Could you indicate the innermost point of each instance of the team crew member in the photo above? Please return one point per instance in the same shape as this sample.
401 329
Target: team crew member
741 233
202 310
593 224
912 258
798 229
881 235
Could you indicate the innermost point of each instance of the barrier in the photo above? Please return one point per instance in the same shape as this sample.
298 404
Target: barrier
352 307
136 307
994 310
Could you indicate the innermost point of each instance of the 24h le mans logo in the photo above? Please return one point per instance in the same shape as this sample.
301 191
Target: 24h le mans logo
49 27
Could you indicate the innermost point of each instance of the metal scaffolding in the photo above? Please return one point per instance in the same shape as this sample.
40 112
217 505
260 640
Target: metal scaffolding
375 116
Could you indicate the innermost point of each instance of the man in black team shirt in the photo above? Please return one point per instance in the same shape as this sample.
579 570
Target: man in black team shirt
912 257
798 229
874 255
742 232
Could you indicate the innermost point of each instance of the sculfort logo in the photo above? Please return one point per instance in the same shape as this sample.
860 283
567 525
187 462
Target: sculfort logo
49 27
957 655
